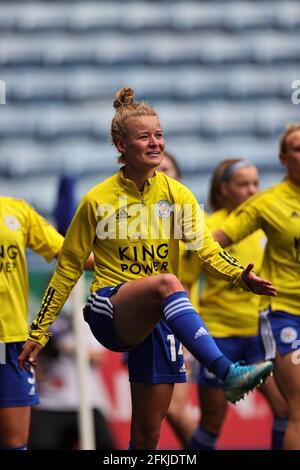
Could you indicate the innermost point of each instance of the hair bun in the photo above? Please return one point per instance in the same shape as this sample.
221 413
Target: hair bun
124 97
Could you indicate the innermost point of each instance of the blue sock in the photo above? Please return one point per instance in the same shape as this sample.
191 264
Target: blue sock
278 431
221 367
23 447
203 440
192 332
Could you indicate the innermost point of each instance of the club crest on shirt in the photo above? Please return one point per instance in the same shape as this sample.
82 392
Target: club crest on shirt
164 209
11 222
288 335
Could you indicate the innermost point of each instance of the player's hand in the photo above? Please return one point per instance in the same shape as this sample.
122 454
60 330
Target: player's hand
28 355
257 284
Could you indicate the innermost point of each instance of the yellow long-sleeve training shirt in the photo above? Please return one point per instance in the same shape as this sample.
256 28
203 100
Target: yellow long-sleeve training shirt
21 227
228 312
277 212
132 235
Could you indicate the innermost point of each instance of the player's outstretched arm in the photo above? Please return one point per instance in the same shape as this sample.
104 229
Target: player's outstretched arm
256 284
221 238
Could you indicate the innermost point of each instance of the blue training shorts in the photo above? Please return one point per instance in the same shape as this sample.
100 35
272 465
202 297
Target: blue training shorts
17 387
98 313
157 359
279 330
236 348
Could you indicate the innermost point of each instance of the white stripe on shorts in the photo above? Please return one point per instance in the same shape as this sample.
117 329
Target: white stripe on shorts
101 305
105 299
103 312
266 334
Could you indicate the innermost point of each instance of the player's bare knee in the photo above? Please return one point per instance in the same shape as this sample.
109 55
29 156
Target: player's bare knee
168 284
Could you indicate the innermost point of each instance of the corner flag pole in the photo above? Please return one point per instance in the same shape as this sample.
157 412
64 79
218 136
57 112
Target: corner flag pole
85 415
64 211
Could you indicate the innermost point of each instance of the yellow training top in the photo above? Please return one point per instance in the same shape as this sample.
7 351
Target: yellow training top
225 311
189 272
277 212
132 235
20 227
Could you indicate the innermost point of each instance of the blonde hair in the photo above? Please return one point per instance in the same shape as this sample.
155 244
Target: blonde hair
126 107
290 128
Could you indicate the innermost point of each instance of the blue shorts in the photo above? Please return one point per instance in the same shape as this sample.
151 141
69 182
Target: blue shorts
157 359
98 313
279 330
17 387
236 348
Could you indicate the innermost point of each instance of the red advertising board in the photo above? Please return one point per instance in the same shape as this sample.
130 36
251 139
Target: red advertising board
247 426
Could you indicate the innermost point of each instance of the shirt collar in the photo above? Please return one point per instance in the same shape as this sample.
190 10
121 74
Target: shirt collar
129 184
293 187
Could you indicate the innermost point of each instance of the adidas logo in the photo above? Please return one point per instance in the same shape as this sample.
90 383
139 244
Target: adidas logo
31 380
182 369
201 332
294 214
31 391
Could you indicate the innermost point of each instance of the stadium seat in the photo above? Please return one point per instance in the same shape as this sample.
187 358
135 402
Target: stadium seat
220 81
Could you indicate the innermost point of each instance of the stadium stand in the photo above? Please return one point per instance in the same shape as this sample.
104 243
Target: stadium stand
219 74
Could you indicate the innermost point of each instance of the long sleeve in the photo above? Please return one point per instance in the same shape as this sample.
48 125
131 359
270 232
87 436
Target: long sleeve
246 219
198 237
219 263
42 237
76 248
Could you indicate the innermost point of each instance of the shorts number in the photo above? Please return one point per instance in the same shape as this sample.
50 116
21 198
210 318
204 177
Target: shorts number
171 339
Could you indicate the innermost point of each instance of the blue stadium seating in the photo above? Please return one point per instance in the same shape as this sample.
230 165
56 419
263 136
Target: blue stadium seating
219 74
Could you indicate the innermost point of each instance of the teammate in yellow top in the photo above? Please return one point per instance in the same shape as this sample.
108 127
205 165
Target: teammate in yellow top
277 212
232 317
133 222
21 227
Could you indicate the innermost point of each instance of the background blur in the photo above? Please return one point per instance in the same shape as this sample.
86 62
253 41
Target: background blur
219 74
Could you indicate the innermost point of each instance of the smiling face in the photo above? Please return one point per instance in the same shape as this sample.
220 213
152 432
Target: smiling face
291 157
242 184
143 145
